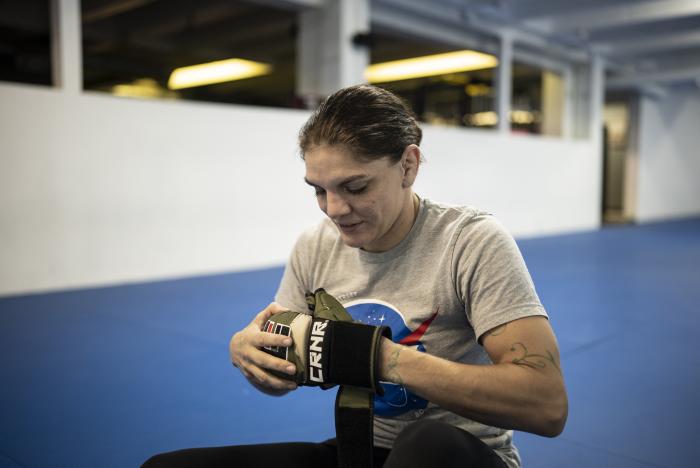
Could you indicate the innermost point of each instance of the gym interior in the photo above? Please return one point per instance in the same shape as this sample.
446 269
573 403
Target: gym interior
144 219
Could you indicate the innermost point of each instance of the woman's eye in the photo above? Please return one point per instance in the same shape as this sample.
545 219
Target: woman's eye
319 191
355 190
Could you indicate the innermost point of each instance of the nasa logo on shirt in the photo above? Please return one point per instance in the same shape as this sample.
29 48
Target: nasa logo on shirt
396 400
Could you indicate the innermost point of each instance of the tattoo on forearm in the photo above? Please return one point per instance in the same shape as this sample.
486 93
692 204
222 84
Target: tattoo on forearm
392 371
537 361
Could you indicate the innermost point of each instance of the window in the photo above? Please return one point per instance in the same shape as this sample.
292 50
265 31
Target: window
457 98
25 42
132 49
537 101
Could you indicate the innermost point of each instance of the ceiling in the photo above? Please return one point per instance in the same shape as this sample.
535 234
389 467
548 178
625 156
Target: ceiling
650 45
646 44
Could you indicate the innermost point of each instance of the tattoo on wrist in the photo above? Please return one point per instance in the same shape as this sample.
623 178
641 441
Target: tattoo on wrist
392 371
536 361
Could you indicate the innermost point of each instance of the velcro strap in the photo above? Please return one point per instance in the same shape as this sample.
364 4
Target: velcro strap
355 350
354 427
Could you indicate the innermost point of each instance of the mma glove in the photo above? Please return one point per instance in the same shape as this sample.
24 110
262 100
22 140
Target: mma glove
328 347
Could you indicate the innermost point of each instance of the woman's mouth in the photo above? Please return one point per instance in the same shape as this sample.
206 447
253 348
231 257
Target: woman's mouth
350 227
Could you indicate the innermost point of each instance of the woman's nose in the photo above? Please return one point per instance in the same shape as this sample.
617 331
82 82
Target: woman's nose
336 206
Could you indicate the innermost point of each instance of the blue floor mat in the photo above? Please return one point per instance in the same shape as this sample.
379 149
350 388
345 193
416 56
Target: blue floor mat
107 377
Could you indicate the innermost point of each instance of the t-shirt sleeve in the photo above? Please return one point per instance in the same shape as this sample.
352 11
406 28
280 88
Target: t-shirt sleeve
296 278
491 277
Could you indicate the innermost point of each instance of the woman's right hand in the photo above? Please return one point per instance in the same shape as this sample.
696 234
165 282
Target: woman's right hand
254 363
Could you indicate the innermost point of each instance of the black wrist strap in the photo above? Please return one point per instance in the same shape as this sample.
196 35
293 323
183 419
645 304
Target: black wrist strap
354 411
355 351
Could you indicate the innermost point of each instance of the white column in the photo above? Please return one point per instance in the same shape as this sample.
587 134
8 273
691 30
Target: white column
569 103
631 170
553 103
504 84
66 48
327 58
597 100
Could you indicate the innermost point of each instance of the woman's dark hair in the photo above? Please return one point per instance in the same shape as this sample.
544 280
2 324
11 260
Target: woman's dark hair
370 122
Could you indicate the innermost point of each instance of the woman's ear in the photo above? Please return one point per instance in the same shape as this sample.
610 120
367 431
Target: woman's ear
410 160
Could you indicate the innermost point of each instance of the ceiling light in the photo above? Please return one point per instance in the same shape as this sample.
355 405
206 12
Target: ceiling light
523 117
142 88
216 72
483 119
429 65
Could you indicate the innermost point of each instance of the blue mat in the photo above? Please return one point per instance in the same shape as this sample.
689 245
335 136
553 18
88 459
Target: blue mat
107 377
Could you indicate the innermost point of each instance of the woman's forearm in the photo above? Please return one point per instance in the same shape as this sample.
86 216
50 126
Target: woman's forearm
506 395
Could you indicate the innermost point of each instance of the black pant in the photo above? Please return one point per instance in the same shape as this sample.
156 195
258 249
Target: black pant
423 444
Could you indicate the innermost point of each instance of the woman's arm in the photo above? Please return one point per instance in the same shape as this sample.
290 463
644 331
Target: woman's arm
523 389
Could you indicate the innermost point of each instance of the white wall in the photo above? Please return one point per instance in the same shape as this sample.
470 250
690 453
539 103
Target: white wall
535 185
668 178
97 190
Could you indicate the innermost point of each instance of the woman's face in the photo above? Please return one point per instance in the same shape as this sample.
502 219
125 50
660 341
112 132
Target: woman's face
369 202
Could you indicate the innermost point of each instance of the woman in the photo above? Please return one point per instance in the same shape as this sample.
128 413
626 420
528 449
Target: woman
473 355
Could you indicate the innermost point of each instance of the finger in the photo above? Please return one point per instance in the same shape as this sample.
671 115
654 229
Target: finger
261 318
276 308
246 374
261 377
250 343
267 312
263 339
265 361
270 381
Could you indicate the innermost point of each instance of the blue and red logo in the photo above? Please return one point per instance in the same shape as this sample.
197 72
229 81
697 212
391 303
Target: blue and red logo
397 399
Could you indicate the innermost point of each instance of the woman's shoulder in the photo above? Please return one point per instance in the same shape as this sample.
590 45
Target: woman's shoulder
459 215
464 223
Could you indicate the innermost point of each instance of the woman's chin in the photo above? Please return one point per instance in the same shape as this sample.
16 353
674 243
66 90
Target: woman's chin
352 241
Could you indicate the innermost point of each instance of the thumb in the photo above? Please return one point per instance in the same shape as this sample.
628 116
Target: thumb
267 312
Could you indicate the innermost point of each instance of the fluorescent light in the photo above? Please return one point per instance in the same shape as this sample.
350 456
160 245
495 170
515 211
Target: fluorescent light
483 119
429 65
142 88
216 72
522 116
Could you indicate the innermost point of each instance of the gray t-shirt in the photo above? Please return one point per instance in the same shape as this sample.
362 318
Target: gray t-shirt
456 275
